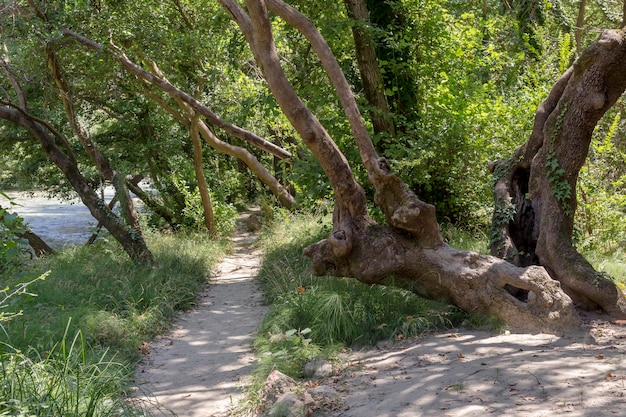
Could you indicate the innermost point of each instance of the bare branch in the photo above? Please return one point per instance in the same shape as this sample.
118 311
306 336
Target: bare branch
5 63
89 146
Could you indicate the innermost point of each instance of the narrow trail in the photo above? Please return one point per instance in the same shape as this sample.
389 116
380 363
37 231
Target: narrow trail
199 368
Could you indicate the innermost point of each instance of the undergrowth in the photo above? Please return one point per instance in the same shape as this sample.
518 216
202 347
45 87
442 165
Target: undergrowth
320 316
69 344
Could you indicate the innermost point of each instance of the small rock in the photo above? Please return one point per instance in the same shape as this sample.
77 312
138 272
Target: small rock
318 368
275 386
324 391
288 405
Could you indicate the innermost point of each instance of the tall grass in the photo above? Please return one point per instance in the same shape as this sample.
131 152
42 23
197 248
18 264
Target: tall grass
115 302
72 349
612 263
335 312
63 383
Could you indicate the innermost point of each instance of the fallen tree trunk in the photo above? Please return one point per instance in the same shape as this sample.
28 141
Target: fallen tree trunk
471 281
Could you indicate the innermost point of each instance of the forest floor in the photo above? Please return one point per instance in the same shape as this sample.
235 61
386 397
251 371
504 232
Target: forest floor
200 367
474 373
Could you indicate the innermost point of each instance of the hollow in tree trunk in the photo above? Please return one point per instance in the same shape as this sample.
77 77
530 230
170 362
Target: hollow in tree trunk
535 191
409 246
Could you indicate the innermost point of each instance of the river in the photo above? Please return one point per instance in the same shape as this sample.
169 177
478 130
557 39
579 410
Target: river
58 223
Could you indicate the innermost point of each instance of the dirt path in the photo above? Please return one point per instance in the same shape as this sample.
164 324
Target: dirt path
198 369
474 374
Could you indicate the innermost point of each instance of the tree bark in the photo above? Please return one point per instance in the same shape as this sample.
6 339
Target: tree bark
473 282
203 187
118 181
535 192
372 78
411 248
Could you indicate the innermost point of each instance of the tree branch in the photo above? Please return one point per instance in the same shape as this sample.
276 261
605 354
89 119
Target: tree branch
212 118
401 207
348 193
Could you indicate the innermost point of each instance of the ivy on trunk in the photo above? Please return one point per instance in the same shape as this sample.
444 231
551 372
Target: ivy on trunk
409 246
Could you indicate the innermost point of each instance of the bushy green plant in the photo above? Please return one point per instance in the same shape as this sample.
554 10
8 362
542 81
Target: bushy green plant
62 382
12 251
286 351
193 212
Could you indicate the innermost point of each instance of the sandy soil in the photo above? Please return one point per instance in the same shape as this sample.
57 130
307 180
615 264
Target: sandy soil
199 369
473 373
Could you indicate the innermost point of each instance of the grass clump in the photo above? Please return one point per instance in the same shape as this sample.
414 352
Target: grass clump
63 383
312 316
110 304
115 302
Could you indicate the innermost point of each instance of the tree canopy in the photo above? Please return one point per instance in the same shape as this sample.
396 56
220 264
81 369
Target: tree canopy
394 110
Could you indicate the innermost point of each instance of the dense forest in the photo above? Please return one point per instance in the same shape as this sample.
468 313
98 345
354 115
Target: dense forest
404 113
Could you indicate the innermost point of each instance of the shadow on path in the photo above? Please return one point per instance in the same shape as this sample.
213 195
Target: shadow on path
200 367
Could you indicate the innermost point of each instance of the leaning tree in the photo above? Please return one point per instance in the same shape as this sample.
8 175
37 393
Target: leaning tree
539 289
535 188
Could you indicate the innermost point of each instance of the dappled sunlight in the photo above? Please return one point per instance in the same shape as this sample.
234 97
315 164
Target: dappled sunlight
203 363
472 373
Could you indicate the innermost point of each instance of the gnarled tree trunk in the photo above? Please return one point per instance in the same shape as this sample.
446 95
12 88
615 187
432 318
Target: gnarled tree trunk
410 246
535 193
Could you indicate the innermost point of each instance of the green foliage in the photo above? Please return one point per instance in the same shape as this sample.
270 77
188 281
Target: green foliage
62 382
193 213
561 189
13 255
116 303
286 351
